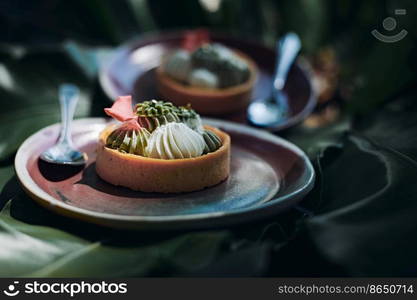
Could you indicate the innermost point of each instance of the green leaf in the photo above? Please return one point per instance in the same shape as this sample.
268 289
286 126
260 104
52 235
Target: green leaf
29 80
24 251
5 174
394 126
367 213
141 11
314 140
110 261
43 251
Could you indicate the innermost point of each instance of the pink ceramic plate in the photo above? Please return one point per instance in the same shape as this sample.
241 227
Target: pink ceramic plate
131 71
268 175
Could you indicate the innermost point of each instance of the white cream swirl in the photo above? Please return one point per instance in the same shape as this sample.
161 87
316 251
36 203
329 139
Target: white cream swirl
173 141
203 78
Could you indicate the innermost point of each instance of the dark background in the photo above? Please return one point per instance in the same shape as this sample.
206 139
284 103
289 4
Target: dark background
361 218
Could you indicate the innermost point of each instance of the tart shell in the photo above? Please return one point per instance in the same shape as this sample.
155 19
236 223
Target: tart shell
160 175
209 101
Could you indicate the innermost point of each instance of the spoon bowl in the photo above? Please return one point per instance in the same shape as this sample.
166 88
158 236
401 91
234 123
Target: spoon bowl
268 113
64 155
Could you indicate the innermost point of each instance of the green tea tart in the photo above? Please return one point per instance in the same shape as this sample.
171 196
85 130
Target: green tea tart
159 147
215 79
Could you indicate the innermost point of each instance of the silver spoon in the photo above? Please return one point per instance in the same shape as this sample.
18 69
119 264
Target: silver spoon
63 152
271 112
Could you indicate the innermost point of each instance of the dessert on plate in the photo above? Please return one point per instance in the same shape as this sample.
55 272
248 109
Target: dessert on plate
213 78
160 147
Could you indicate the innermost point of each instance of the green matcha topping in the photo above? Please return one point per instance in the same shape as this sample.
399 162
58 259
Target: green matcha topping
155 108
210 66
189 117
206 57
186 112
128 140
221 61
213 142
152 114
159 126
178 65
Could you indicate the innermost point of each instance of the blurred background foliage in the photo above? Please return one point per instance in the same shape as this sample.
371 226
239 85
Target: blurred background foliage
364 124
351 66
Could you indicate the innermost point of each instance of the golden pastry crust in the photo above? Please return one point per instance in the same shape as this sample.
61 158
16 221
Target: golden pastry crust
163 176
209 101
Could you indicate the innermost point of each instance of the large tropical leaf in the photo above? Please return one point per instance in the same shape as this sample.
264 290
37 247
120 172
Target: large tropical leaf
358 220
28 91
40 251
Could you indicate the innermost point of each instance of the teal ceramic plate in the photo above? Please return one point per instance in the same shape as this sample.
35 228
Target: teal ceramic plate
268 175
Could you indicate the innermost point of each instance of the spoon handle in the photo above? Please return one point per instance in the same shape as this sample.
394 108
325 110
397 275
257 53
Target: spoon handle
287 50
68 98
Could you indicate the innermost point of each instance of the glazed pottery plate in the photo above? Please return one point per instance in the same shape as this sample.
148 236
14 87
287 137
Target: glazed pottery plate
268 174
131 71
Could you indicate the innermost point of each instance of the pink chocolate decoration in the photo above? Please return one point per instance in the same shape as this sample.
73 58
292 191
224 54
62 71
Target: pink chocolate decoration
122 110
